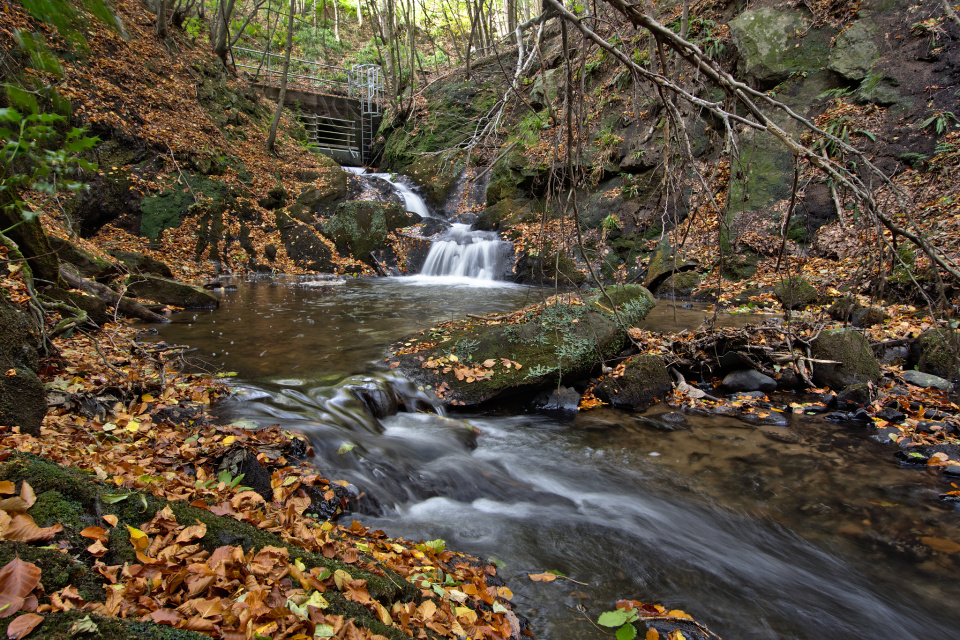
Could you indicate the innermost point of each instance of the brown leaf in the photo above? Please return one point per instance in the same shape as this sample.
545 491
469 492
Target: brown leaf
939 544
166 616
191 533
16 504
23 625
542 577
23 529
17 580
26 492
97 549
7 487
350 555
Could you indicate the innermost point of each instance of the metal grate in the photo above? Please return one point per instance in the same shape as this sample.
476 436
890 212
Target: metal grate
362 82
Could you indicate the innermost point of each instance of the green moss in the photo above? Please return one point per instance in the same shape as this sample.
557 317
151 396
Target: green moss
361 227
795 293
937 353
59 626
166 209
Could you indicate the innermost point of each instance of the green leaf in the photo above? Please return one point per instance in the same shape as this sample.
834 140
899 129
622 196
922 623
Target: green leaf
323 631
9 114
113 498
626 632
613 618
346 447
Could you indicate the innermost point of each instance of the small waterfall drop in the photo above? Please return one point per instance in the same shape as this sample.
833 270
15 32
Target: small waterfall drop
459 255
462 253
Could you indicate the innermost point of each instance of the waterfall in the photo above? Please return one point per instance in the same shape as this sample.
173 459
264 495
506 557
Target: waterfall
459 255
462 253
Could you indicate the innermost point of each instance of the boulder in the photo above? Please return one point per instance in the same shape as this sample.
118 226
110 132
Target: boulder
855 50
544 89
359 228
140 263
749 380
475 361
935 351
775 44
852 351
662 264
795 293
926 380
23 400
563 399
170 292
849 310
644 381
89 265
680 284
303 245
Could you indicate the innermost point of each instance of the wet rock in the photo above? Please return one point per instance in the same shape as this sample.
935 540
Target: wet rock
662 265
170 292
375 394
858 395
243 462
679 284
886 434
563 399
360 228
749 380
856 362
896 355
553 343
917 455
925 426
644 381
858 416
795 293
890 415
755 395
926 380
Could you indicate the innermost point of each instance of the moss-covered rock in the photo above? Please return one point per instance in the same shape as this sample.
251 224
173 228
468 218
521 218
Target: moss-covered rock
852 351
140 263
60 626
436 175
23 401
505 213
170 292
847 309
739 267
795 293
855 50
551 269
774 44
935 351
166 209
680 284
95 307
89 265
644 381
551 343
360 227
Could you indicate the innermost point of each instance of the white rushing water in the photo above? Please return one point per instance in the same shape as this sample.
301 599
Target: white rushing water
459 255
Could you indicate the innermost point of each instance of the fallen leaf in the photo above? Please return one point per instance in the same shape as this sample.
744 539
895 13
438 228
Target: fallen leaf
23 625
23 529
542 577
17 580
939 544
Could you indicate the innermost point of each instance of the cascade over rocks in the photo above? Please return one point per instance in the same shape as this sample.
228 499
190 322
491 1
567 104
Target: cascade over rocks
476 360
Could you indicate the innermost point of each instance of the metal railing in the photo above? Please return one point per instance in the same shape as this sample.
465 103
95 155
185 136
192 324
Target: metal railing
362 82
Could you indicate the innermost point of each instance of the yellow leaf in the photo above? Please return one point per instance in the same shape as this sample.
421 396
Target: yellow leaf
652 634
505 593
677 613
133 426
229 440
111 520
147 397
138 539
542 577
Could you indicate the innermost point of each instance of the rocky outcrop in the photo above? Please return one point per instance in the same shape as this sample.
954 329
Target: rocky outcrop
774 44
360 228
550 343
23 401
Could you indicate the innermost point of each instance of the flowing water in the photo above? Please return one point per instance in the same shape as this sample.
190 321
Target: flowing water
806 530
800 529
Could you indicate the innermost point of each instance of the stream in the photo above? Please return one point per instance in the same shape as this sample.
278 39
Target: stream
796 530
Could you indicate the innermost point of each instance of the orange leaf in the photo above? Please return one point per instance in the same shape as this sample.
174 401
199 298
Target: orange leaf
542 577
111 520
94 533
23 529
17 580
939 544
652 634
7 487
96 549
23 625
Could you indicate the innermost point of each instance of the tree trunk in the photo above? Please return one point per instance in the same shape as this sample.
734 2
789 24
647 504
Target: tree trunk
162 19
336 20
125 306
359 13
272 137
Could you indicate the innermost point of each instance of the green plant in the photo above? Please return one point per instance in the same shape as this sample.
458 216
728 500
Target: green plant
940 120
36 156
841 127
623 619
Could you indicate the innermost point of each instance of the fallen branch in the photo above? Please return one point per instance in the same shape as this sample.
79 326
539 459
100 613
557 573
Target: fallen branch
124 306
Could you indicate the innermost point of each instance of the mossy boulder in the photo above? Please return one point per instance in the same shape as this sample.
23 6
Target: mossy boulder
166 209
644 381
505 213
170 292
436 175
550 343
774 44
140 263
795 293
855 50
680 284
328 185
662 264
935 351
95 307
852 352
739 267
847 309
89 265
359 228
23 400
548 270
